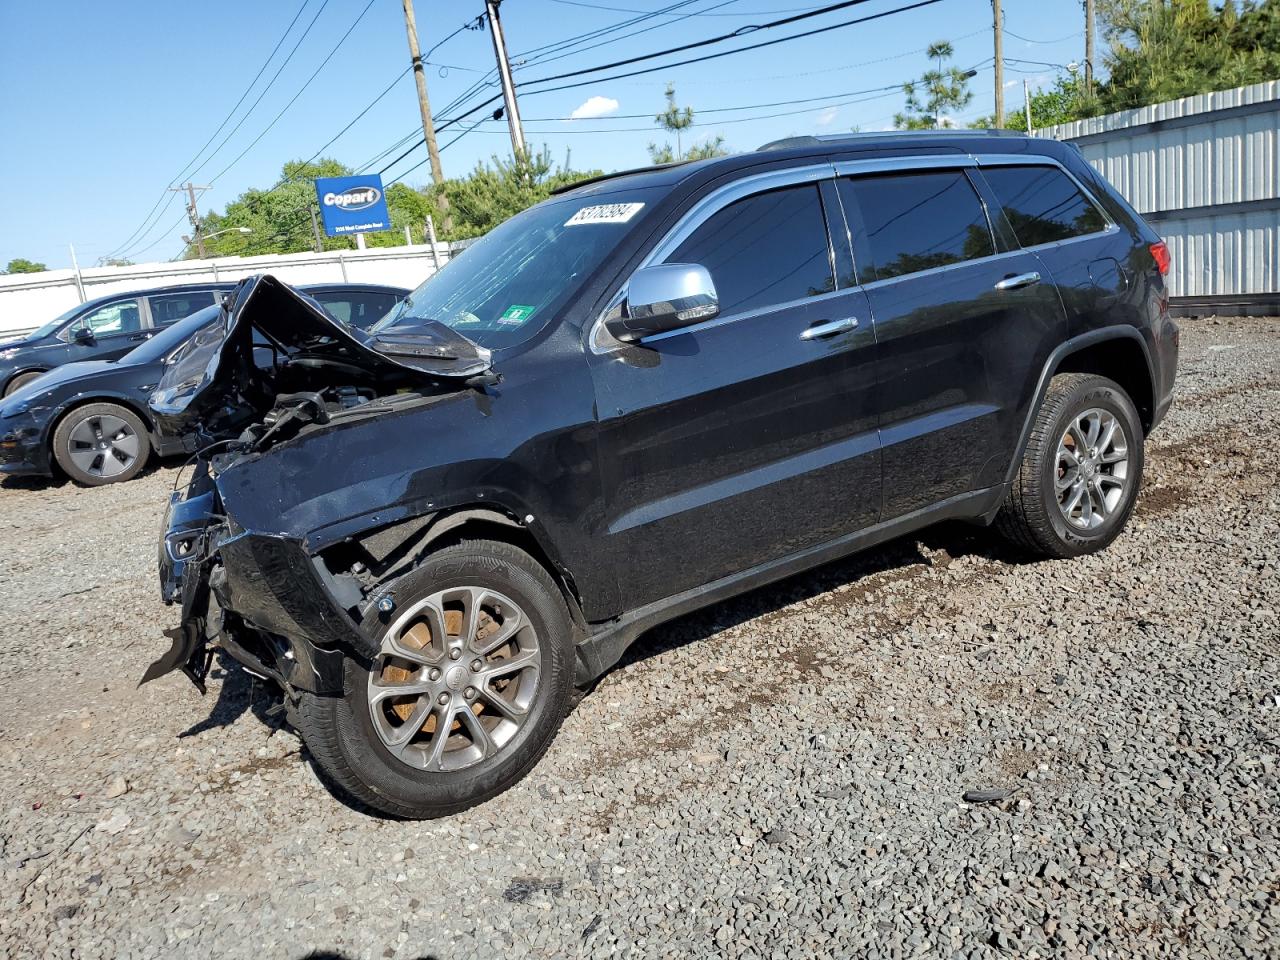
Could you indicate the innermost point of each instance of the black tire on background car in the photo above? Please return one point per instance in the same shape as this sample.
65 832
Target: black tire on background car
20 381
101 443
1080 473
480 646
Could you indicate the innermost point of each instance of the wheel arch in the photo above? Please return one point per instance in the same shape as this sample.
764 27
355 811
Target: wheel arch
19 373
1117 353
400 546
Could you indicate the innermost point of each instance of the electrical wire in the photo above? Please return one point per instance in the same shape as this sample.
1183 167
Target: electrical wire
225 120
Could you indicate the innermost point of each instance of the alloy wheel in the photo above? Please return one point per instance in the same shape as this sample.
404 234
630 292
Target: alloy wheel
1092 468
455 680
103 446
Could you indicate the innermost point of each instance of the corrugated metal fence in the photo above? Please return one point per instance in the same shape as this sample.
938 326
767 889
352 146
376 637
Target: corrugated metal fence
1205 172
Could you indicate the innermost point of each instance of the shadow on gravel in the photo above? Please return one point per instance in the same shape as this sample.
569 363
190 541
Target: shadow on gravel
238 693
941 544
333 955
33 483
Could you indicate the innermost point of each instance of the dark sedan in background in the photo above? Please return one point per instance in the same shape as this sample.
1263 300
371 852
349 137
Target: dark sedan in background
109 326
90 419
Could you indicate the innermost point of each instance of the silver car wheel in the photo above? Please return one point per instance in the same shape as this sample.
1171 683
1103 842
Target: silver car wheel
1092 469
455 679
103 446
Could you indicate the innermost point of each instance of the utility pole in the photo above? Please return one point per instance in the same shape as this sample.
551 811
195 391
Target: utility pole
193 213
424 105
315 228
998 22
504 71
1026 102
1088 48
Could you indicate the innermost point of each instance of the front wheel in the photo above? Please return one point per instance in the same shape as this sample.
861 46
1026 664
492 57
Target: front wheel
101 443
470 686
1080 473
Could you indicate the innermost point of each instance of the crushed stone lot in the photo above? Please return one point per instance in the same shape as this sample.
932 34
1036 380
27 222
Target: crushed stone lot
782 775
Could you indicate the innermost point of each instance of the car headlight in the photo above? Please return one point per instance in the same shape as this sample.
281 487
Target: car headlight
10 353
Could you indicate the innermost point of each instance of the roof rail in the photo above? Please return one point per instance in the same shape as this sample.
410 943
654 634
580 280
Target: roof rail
788 143
565 188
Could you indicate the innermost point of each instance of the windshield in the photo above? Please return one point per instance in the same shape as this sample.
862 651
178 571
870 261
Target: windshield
171 337
505 286
56 322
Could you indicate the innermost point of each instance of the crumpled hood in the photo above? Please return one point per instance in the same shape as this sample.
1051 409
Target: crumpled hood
217 367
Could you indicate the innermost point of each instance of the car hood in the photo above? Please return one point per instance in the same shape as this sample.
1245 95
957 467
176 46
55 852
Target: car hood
216 371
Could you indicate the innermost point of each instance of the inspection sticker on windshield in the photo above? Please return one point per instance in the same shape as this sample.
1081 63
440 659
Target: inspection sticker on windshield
604 213
516 314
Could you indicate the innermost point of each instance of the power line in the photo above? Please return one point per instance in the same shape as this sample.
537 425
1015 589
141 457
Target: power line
225 120
261 94
745 13
679 63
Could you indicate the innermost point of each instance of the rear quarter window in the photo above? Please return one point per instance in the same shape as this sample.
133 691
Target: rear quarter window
1043 204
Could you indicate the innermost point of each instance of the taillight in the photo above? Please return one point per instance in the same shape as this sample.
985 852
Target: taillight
1160 251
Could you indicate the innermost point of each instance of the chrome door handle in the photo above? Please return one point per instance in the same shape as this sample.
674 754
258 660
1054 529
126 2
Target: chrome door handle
1021 280
829 329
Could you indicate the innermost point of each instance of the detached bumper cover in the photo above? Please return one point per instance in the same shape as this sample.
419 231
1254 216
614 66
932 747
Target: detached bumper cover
276 615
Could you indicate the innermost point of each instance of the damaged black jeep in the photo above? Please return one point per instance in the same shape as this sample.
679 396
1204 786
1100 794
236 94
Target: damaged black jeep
644 395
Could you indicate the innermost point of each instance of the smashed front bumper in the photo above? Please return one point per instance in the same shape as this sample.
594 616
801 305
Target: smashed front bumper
275 610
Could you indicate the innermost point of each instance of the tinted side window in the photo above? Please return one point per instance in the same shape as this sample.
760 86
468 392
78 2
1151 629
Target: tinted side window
360 309
122 316
170 307
765 249
916 221
1042 204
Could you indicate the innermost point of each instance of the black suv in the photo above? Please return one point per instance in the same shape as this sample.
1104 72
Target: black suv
653 391
104 328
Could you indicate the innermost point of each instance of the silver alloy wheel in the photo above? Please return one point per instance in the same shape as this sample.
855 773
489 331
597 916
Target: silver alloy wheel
1092 468
455 680
103 446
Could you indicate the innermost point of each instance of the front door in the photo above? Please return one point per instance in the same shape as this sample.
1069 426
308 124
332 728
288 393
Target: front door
964 325
751 436
113 330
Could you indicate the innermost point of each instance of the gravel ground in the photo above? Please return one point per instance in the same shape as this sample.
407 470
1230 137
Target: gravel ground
778 776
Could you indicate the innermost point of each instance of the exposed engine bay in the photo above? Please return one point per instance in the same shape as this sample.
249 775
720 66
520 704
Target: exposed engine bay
277 364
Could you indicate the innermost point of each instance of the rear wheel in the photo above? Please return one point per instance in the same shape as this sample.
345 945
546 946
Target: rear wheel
1080 474
20 381
101 443
470 686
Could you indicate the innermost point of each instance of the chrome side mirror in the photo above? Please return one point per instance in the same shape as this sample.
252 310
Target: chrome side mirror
663 297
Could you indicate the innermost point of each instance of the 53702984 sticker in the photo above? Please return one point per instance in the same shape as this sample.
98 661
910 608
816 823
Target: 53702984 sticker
604 213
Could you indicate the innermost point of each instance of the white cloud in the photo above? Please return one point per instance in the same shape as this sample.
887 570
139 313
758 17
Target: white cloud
827 117
594 107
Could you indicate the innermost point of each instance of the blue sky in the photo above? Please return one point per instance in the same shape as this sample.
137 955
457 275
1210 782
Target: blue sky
106 103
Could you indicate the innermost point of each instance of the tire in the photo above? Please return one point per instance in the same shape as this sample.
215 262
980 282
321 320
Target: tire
20 381
1035 514
76 444
346 737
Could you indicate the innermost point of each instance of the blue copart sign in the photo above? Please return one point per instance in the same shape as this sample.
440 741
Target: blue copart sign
352 205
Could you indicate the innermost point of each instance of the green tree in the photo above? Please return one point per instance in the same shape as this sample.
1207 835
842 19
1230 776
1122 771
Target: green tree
491 194
23 265
942 89
1061 103
1165 49
675 119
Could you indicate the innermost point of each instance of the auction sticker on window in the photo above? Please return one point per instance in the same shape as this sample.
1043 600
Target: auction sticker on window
516 315
604 213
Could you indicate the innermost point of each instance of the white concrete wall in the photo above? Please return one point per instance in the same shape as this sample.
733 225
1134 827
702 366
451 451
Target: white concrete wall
30 299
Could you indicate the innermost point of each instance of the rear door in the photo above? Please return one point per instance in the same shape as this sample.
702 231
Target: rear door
167 308
750 436
964 322
1052 215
